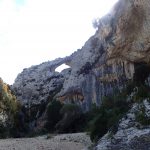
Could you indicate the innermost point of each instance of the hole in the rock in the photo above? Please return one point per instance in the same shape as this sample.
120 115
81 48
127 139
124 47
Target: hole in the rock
61 67
142 71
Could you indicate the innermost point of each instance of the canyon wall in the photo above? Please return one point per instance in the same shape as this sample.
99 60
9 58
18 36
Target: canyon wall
103 65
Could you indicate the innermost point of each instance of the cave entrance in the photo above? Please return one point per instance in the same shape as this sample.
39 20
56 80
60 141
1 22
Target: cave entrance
142 71
61 67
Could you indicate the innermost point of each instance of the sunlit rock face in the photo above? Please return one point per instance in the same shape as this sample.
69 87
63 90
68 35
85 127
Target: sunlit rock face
130 31
105 63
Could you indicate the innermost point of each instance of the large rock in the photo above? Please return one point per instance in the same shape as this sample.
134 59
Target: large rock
38 83
131 135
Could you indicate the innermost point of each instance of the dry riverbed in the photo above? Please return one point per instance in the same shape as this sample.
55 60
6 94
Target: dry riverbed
76 141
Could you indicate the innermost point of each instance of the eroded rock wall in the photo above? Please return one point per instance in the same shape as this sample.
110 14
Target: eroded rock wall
40 82
105 63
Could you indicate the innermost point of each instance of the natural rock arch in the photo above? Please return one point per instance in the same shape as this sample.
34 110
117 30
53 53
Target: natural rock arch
61 67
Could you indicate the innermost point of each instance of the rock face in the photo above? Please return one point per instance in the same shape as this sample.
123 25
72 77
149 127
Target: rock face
131 135
104 64
38 83
107 59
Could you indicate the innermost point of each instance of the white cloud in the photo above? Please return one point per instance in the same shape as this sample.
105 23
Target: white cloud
33 31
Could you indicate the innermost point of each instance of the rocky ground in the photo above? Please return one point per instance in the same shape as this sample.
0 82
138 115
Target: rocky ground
77 141
131 135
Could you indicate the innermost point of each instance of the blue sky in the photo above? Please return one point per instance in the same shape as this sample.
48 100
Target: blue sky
34 31
19 2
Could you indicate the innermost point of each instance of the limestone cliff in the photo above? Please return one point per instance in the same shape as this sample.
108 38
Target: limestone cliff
102 65
107 60
36 84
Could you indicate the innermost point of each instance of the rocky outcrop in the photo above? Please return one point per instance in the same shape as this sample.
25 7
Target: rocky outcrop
39 83
131 135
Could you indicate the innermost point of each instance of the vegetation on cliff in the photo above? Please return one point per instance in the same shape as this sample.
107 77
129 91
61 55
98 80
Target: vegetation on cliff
64 118
9 109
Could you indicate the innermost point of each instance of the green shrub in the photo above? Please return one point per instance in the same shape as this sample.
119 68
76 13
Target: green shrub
70 108
10 107
113 108
4 131
53 115
107 116
142 93
130 85
98 125
142 118
73 119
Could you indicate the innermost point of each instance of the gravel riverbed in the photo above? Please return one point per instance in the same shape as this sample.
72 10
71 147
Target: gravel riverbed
75 141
